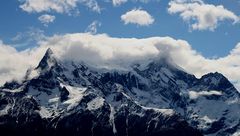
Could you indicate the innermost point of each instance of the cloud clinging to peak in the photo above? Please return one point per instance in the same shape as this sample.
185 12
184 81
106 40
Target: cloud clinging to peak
109 52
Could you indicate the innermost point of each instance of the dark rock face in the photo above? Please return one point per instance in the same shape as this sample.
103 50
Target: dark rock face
24 119
128 80
11 85
68 98
64 94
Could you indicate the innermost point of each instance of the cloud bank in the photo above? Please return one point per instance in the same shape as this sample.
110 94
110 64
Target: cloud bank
13 64
109 52
137 16
201 16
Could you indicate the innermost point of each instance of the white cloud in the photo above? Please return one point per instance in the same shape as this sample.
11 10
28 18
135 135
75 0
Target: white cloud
13 64
118 2
59 6
137 16
46 19
92 28
195 95
91 4
199 15
38 6
109 52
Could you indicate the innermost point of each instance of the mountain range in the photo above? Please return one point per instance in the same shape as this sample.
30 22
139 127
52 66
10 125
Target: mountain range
61 98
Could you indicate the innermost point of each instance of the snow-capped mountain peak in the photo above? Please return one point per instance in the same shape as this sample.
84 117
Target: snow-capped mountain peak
159 98
47 61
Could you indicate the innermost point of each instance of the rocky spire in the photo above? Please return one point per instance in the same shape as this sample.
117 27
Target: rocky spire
47 61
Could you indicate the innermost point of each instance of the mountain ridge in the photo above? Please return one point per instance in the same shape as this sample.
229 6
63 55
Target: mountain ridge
160 94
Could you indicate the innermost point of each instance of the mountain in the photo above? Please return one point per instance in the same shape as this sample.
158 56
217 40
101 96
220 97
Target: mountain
158 99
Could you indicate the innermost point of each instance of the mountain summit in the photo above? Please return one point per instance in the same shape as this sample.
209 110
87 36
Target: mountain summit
158 99
47 61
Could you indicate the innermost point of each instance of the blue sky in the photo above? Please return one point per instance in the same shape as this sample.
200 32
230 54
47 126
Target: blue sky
15 21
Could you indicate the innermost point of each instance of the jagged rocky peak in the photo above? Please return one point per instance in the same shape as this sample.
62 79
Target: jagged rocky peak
164 69
160 64
216 80
47 61
212 75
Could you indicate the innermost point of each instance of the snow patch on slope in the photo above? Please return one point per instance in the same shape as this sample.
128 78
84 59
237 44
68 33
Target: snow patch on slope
44 113
207 111
236 134
166 112
12 91
75 95
5 110
112 120
95 103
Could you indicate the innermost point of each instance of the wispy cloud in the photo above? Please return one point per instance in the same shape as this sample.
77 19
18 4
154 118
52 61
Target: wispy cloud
92 28
46 19
59 6
118 2
28 39
91 4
